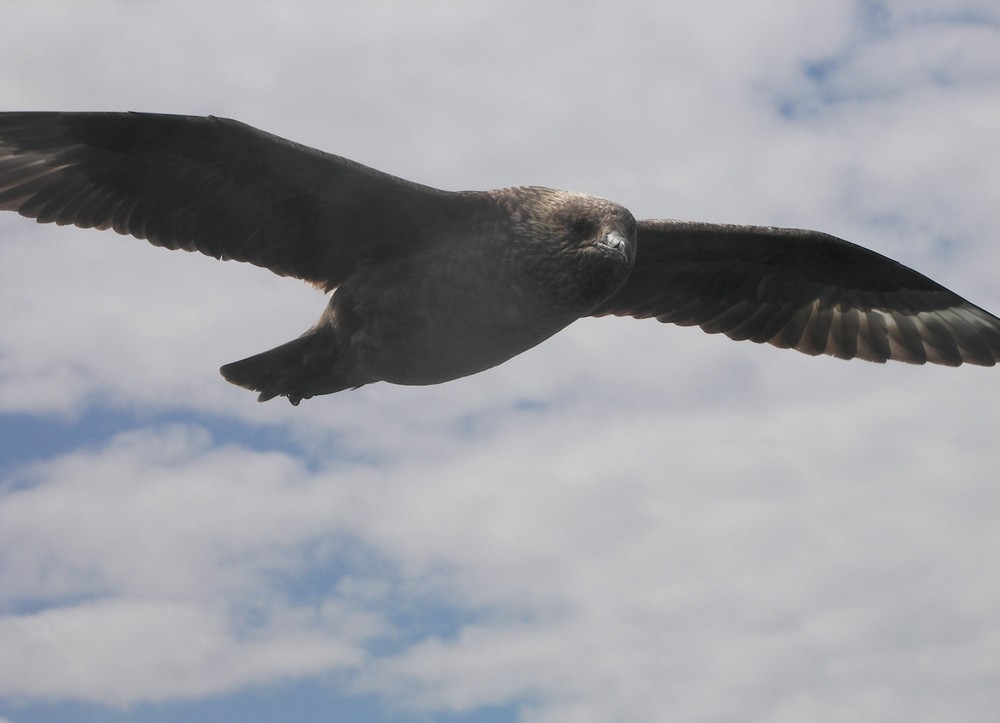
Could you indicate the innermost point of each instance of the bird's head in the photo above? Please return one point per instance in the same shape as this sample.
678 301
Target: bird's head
576 248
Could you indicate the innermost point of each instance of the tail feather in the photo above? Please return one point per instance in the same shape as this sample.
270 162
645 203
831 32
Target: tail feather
299 369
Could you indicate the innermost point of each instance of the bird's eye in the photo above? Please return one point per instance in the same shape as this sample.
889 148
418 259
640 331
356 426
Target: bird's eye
581 228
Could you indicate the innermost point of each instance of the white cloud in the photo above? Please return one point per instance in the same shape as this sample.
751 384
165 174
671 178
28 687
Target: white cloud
124 650
631 519
592 579
156 561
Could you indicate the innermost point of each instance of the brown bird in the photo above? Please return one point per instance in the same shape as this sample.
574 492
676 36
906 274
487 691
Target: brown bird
433 285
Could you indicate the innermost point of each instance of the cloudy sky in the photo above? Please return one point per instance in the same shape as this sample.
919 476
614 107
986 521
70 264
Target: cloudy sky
630 522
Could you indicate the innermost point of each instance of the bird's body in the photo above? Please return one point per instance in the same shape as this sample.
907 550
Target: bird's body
478 292
433 285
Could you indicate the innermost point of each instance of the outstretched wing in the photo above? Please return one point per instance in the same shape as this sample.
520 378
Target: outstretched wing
802 290
212 185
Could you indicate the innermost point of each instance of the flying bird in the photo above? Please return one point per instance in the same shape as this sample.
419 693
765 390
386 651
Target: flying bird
432 285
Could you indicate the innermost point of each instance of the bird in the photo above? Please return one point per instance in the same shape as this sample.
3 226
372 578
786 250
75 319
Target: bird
431 285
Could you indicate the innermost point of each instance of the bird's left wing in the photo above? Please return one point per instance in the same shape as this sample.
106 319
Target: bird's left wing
803 290
213 185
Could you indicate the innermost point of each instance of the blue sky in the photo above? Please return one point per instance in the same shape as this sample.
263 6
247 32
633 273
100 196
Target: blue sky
630 522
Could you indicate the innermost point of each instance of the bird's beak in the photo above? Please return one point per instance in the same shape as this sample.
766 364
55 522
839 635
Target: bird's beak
616 243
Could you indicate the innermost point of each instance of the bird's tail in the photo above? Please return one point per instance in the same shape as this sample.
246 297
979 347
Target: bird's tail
299 369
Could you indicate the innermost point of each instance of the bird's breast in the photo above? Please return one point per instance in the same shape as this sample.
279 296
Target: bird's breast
437 318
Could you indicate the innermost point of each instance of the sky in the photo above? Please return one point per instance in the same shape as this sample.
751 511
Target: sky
632 521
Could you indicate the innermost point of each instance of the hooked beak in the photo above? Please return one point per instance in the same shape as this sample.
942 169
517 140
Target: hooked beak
615 243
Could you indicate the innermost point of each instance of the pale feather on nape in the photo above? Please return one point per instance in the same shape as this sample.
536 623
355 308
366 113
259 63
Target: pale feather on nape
801 290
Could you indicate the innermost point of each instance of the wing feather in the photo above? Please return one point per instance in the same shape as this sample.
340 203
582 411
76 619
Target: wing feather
216 186
803 290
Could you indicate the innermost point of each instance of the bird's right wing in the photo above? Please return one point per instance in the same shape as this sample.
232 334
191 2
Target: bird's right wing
803 290
216 186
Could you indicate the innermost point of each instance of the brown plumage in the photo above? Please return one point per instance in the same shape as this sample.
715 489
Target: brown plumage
432 285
